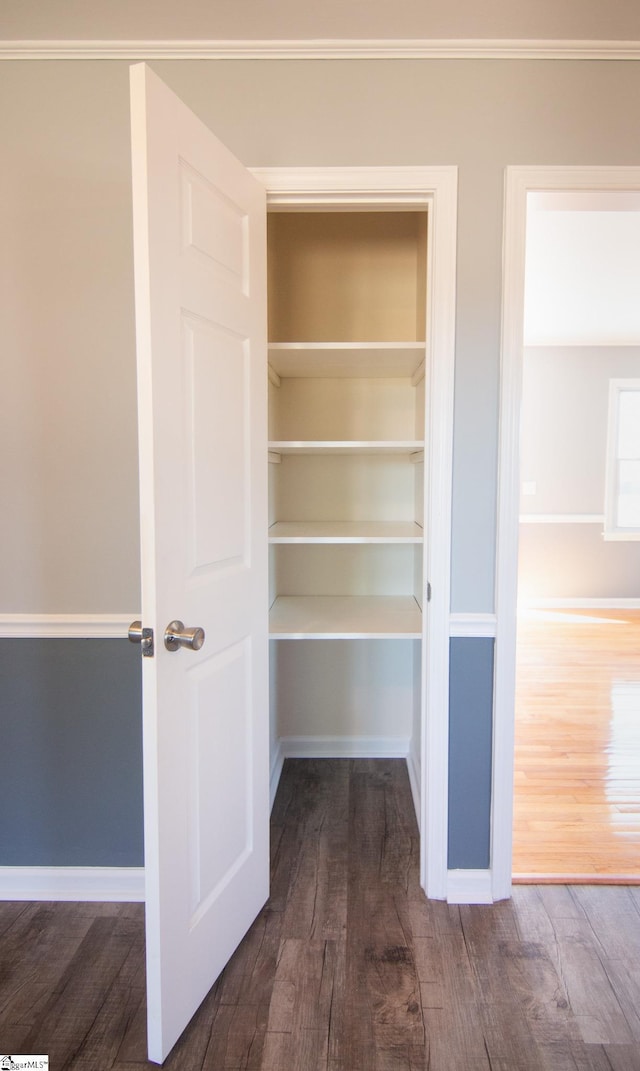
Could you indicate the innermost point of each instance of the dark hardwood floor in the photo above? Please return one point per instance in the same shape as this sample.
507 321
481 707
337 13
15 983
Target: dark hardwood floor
348 967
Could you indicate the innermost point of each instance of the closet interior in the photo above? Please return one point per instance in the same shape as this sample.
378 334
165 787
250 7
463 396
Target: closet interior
347 328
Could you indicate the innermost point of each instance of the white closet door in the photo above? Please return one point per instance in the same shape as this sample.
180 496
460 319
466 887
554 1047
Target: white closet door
200 249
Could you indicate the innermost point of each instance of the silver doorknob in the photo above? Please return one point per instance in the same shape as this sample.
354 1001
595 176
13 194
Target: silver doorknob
177 636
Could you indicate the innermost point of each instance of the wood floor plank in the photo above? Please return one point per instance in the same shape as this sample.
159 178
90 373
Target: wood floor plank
592 998
623 1057
383 1017
615 920
10 912
577 748
348 967
574 1056
530 974
236 1038
41 942
102 1042
509 1043
248 977
454 1039
310 871
624 977
77 998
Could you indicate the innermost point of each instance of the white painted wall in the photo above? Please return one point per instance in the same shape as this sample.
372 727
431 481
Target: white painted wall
346 688
583 272
565 403
572 561
563 447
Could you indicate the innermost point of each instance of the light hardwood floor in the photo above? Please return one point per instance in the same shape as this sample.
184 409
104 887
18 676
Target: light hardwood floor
348 967
577 757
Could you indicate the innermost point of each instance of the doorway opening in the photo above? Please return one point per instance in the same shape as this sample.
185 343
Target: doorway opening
361 410
577 758
571 344
347 431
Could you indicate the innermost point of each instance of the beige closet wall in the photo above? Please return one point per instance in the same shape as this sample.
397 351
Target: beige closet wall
68 436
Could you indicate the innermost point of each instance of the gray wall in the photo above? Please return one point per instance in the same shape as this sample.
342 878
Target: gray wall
227 19
66 272
565 402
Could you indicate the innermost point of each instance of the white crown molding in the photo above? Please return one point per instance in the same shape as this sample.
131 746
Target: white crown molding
323 49
99 883
65 626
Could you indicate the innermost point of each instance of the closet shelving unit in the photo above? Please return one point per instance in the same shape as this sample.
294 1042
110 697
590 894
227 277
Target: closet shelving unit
346 372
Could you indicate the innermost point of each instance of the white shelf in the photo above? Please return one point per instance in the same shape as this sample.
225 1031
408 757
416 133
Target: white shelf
346 617
345 532
346 360
348 446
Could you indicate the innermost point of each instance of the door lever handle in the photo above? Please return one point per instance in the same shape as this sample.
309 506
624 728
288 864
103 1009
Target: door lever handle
177 636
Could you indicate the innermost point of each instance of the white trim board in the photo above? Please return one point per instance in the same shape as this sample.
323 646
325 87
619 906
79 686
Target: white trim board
346 49
472 626
519 182
277 762
413 771
66 626
562 518
435 189
581 604
117 884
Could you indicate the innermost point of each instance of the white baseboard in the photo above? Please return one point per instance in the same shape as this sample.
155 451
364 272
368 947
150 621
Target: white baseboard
344 747
580 604
413 769
277 762
469 887
124 884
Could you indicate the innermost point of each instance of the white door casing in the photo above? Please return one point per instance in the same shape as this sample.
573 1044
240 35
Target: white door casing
200 277
519 182
434 189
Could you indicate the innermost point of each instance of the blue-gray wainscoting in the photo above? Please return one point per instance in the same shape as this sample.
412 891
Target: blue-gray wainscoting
71 747
470 752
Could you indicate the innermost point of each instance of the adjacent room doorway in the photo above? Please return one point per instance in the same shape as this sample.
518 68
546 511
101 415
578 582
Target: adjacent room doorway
556 539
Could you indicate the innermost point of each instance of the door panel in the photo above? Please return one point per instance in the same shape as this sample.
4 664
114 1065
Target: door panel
199 237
